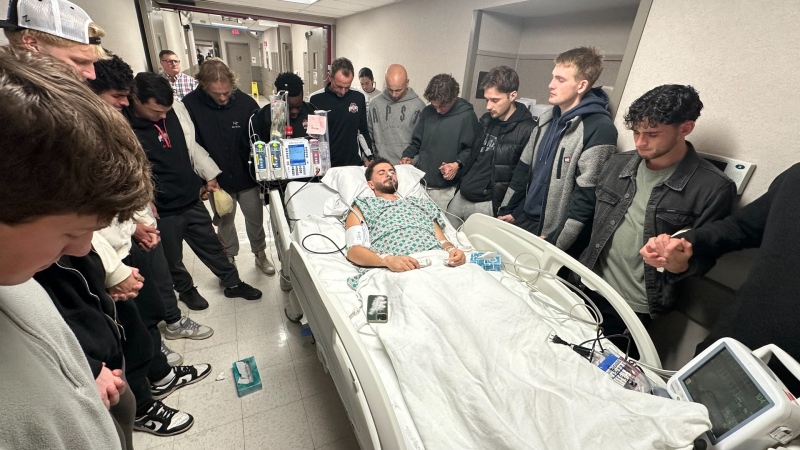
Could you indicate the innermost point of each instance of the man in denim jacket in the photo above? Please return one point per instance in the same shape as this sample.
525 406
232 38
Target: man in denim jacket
663 186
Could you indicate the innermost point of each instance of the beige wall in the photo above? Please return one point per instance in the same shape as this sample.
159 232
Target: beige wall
609 30
427 37
739 55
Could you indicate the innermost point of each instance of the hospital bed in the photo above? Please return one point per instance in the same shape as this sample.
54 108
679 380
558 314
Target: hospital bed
358 362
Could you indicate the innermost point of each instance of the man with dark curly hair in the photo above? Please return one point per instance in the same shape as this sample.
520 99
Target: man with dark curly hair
662 187
113 81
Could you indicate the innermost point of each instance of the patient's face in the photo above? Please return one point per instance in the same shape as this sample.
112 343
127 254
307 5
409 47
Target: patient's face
384 179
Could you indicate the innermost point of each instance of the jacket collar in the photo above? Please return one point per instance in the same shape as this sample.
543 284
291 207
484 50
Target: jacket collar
679 178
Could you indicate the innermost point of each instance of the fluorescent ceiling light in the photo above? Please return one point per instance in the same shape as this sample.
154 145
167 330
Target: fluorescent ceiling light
305 2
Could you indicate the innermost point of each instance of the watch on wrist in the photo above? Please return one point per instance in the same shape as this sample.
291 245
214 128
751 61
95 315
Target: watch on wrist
460 165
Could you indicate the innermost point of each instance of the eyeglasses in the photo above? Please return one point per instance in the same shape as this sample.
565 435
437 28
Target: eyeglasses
171 61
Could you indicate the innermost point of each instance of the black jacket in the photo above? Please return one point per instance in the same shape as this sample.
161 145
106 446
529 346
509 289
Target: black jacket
77 287
495 155
695 194
347 116
223 130
177 184
442 138
262 122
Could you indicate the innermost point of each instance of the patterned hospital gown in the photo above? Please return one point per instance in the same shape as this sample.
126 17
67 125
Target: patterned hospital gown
398 227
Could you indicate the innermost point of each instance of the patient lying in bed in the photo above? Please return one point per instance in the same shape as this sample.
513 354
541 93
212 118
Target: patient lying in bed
382 231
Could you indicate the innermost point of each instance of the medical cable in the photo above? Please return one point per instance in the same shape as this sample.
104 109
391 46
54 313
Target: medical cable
590 304
333 252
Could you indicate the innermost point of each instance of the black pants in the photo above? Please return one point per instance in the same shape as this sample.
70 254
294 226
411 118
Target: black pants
150 307
162 280
194 226
123 415
528 223
613 323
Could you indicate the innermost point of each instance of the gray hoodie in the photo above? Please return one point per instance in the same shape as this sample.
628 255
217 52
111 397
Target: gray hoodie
49 396
391 123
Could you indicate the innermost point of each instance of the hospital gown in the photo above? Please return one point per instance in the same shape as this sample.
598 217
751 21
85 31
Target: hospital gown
398 227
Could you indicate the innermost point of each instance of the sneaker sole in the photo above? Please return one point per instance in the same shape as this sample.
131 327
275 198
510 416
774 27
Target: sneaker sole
168 393
171 433
246 298
193 337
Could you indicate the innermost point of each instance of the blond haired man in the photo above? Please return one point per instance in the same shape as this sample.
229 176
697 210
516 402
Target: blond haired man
221 113
45 27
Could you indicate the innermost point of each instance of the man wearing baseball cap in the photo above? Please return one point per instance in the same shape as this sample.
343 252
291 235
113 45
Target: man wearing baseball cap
56 27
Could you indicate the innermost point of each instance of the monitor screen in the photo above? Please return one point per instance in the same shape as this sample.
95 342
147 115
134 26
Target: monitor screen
297 154
731 395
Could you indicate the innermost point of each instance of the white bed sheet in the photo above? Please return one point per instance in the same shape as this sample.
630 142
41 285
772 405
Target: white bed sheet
333 271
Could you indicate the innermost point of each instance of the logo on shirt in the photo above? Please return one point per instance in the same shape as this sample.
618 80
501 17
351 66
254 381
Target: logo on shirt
235 125
353 108
305 124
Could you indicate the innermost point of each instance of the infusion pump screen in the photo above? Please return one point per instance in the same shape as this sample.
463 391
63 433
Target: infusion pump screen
297 154
730 395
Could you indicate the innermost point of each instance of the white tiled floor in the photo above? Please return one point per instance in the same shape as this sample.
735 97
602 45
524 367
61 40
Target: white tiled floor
297 408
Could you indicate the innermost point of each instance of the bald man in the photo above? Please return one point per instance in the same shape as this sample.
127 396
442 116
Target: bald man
394 114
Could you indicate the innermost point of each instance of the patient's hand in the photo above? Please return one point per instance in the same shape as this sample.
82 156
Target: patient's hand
457 258
401 263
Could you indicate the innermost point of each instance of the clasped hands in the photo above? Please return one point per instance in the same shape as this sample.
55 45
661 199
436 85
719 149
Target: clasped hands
667 253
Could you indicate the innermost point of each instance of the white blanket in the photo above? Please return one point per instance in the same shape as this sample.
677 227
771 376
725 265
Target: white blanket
477 371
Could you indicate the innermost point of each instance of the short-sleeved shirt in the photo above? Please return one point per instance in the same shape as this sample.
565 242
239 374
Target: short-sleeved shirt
398 227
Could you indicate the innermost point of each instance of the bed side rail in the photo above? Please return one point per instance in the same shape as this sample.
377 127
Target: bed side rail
517 245
328 320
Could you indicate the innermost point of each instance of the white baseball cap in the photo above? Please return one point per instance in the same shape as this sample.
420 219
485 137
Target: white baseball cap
57 17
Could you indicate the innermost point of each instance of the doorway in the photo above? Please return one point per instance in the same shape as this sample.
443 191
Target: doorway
238 55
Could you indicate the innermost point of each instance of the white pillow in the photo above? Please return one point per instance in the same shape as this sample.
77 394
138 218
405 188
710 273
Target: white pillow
350 183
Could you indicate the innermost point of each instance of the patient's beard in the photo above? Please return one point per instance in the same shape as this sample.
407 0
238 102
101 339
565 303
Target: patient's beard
389 187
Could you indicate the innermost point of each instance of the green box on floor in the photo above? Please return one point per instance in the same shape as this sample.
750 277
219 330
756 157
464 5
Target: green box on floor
254 383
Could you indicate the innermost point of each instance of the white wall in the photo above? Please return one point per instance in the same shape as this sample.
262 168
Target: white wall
609 30
740 56
500 33
427 37
176 39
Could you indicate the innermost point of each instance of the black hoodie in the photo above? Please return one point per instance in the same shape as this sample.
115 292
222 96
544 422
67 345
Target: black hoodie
223 131
442 138
495 155
177 185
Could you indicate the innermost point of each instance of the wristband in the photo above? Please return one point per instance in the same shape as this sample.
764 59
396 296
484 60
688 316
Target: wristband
450 250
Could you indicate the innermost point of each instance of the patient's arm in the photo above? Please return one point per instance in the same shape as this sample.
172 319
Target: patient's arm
456 256
362 256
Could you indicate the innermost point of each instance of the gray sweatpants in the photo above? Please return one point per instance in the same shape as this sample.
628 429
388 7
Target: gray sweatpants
253 210
463 208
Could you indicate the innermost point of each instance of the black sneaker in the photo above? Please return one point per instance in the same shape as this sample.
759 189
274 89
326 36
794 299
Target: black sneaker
243 290
162 420
184 376
193 299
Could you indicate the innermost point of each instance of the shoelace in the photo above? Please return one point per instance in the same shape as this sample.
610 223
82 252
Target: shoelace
163 412
166 350
189 324
184 370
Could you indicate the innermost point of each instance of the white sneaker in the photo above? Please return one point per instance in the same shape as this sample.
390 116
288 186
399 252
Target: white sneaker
173 359
263 263
187 328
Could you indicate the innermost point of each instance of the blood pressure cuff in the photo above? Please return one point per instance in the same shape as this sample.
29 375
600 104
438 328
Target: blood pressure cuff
356 235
